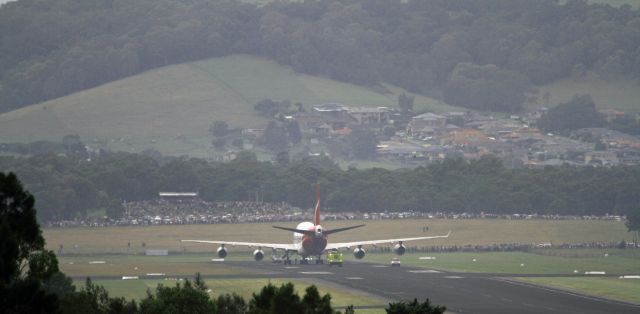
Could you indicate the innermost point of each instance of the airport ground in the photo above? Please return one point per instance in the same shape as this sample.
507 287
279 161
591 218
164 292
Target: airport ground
469 282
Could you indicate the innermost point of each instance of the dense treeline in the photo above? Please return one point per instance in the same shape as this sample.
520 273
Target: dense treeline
67 187
53 48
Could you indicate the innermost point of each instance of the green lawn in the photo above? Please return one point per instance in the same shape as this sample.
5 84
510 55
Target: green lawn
519 262
138 265
614 288
340 296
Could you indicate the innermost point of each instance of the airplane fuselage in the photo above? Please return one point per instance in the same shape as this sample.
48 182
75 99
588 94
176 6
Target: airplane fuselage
310 245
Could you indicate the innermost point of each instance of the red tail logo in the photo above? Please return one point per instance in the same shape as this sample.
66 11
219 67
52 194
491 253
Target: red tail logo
317 212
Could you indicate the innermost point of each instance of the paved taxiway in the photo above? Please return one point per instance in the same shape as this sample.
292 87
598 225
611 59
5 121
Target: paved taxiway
460 292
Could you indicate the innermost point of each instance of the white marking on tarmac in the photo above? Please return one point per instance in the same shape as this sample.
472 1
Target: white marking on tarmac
630 277
379 266
129 277
217 259
316 272
453 277
594 273
426 271
354 278
97 262
292 267
427 257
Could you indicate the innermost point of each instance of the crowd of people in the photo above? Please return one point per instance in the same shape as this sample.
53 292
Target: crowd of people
196 211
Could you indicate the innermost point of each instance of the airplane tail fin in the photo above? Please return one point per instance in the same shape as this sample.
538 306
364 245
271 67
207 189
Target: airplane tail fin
316 220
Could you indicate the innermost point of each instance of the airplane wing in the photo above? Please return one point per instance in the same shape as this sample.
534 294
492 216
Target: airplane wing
346 245
288 247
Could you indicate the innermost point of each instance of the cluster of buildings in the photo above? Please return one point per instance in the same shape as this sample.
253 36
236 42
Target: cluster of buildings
430 137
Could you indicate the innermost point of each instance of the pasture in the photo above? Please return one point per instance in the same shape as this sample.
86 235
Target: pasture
170 109
620 95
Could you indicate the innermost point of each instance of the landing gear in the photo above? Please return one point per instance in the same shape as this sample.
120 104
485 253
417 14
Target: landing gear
287 260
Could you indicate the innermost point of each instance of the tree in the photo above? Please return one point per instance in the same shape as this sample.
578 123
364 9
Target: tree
580 112
414 307
486 87
284 299
231 304
275 137
405 103
95 299
294 133
219 128
633 222
187 298
22 244
363 144
314 304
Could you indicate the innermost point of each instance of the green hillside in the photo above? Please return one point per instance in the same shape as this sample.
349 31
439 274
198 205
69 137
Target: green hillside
170 109
621 95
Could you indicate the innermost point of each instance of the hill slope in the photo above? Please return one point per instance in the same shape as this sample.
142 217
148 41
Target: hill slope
170 109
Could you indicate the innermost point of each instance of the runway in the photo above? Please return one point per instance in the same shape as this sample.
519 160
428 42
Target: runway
459 292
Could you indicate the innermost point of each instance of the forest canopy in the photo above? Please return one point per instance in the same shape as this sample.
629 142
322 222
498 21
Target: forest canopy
53 48
66 187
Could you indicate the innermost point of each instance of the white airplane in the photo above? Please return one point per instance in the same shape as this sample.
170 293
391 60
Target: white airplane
310 239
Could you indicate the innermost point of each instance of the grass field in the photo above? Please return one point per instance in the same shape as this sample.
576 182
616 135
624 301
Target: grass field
613 288
340 296
138 265
621 95
113 240
521 263
170 109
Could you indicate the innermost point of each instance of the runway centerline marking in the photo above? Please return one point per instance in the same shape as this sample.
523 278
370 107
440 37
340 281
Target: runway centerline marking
292 267
453 277
316 273
426 271
354 278
379 266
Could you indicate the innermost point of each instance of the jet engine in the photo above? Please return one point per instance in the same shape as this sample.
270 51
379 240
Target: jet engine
359 253
399 249
258 255
222 252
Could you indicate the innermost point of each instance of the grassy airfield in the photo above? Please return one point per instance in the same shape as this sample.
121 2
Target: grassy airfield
114 240
110 245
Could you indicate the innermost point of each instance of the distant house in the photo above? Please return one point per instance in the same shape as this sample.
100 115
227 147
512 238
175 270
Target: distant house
425 120
317 125
334 114
370 115
335 110
604 157
467 137
611 114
